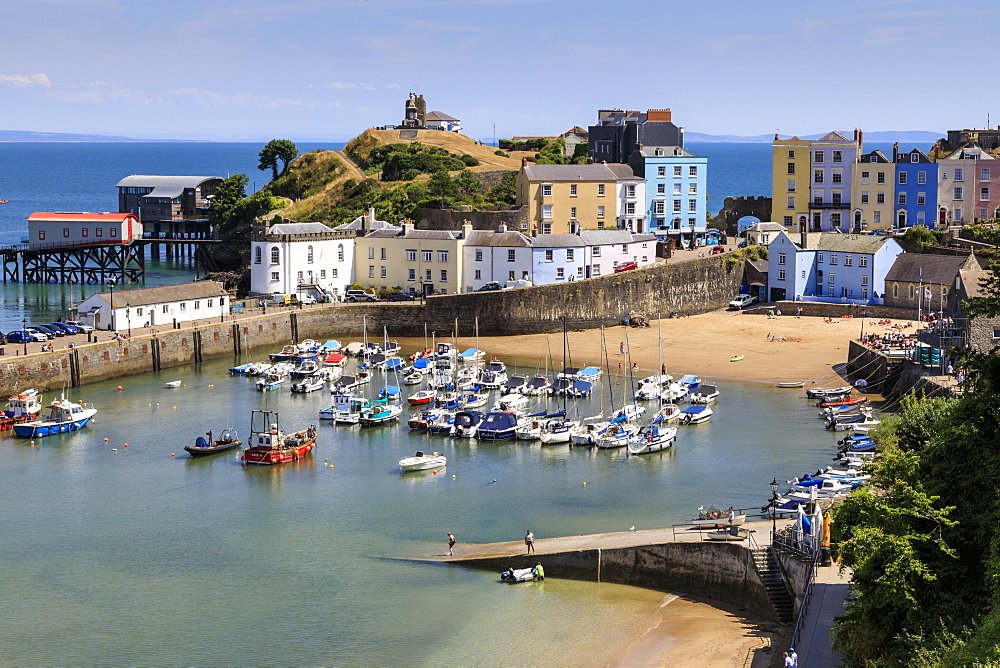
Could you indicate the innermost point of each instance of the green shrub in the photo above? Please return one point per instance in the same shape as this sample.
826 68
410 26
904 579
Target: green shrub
471 161
501 153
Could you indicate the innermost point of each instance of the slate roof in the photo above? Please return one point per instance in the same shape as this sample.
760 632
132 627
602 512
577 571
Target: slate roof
764 226
438 116
842 243
298 228
669 152
413 234
164 294
607 237
968 153
164 186
356 225
970 281
904 157
936 269
557 241
492 238
596 172
67 217
833 136
878 156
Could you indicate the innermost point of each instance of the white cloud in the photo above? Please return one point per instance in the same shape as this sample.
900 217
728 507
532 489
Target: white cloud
26 80
342 85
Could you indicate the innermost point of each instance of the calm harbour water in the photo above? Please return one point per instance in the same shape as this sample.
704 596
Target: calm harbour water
130 556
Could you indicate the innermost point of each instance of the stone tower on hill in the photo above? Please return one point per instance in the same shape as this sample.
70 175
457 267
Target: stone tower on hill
416 112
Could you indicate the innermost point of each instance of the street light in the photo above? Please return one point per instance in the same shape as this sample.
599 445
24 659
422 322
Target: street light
111 284
128 317
774 507
24 334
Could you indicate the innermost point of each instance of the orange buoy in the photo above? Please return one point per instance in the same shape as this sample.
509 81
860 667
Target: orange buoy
119 388
32 443
126 445
105 440
173 454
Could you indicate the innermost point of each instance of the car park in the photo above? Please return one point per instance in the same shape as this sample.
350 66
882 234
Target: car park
83 327
25 336
492 286
360 296
399 297
742 301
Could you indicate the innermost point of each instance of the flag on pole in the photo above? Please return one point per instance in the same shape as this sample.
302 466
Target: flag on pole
927 293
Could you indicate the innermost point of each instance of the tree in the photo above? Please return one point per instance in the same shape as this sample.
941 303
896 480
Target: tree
275 150
442 186
226 197
467 183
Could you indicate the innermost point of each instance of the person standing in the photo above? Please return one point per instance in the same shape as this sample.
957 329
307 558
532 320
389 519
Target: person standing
621 347
732 516
788 661
794 657
539 571
451 544
529 540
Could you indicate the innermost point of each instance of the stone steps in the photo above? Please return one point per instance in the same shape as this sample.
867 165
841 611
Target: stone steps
770 575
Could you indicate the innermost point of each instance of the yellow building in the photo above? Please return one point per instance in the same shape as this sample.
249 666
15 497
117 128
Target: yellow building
873 184
790 181
410 260
563 199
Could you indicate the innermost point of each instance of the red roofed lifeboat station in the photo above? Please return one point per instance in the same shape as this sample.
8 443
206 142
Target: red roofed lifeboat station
49 230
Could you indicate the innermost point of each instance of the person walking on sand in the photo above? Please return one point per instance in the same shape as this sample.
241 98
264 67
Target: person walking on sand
621 347
451 545
529 540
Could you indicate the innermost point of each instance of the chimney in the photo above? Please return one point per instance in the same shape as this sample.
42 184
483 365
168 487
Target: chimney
658 115
371 215
855 135
861 137
895 151
775 136
407 226
501 228
524 163
466 229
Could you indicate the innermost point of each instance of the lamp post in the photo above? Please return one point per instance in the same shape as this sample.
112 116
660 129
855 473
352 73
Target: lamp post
128 318
111 284
24 334
774 508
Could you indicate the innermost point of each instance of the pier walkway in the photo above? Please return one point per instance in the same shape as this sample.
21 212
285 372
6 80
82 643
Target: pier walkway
815 646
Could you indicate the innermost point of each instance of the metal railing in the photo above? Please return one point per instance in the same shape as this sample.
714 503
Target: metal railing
806 598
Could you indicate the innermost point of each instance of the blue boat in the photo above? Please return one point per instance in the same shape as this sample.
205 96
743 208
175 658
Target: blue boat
59 417
497 426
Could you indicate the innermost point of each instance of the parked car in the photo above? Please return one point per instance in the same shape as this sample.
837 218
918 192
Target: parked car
742 244
492 286
360 296
83 327
741 301
626 266
25 336
400 297
49 333
716 250
68 329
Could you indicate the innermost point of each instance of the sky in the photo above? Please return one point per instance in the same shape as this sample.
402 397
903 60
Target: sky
327 69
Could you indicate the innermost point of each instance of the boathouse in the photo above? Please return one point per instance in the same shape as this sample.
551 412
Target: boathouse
50 230
151 307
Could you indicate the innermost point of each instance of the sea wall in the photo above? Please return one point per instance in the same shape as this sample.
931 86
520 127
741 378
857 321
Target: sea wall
721 571
839 311
690 287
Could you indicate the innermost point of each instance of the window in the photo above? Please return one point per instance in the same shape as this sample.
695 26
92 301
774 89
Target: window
572 190
781 258
572 213
677 206
787 221
835 220
984 174
600 190
833 258
902 178
957 215
298 277
791 169
629 208
479 274
984 195
692 171
309 254
546 190
677 188
921 178
921 199
835 197
258 255
920 217
790 203
865 176
819 257
595 270
880 198
864 197
791 155
791 185
411 255
959 174
863 261
340 252
600 212
411 274
817 176
371 271
510 255
274 277
880 177
838 156
579 272
803 273
864 293
659 207
66 231
661 171
625 248
597 251
322 273
559 272
371 253
630 190
848 260
442 256
427 255
381 273
661 188
692 189
100 231
183 307
901 199
781 274
831 278
837 176
546 211
817 156
274 256
85 231
677 170
444 275
510 276
479 255
958 193
546 228
692 206
548 255
864 279
691 223
427 276
381 254
895 290
197 305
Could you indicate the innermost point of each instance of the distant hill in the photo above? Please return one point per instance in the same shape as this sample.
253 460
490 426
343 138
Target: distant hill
29 135
919 136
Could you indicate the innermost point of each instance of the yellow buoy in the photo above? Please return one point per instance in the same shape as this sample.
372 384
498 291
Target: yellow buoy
453 477
331 465
584 484
172 454
175 407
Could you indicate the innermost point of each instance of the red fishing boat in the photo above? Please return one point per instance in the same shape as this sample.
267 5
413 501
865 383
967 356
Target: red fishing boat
23 407
844 402
269 445
421 397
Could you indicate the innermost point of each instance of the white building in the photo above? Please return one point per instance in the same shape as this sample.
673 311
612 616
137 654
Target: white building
438 120
763 233
163 305
499 255
606 249
47 230
630 209
292 258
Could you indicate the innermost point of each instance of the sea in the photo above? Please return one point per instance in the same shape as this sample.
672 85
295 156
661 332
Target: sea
119 549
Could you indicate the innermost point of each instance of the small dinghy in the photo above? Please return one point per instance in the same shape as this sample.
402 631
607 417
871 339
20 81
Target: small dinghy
791 383
226 441
728 533
515 575
173 383
422 462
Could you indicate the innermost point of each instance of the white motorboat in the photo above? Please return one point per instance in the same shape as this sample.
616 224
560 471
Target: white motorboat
652 438
587 433
704 393
271 381
413 378
173 383
422 462
511 402
648 391
514 384
715 516
615 436
696 414
421 397
628 413
537 385
667 413
466 423
729 533
471 355
352 414
305 368
312 383
474 399
816 393
675 391
531 429
557 430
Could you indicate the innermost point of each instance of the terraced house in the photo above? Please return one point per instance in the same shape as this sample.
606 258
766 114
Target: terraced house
411 260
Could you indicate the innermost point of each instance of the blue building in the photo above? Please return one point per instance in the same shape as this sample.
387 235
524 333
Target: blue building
916 189
557 258
830 267
676 190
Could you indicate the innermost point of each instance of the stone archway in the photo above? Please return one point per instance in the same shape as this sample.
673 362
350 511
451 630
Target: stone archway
738 207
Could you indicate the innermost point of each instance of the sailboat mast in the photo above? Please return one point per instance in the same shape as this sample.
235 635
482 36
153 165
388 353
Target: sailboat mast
607 369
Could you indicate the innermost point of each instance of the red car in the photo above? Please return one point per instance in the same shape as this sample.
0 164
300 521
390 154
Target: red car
626 266
716 250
